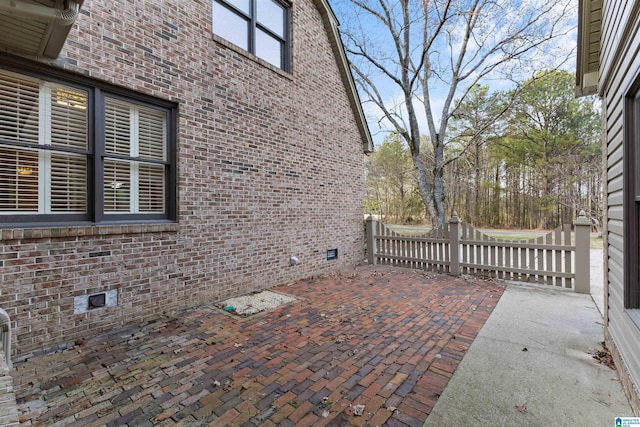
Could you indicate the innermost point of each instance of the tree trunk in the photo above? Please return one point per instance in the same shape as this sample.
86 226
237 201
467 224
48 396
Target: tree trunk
476 208
438 184
425 189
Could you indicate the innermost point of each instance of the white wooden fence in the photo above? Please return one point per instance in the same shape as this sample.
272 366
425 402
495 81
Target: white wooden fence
554 259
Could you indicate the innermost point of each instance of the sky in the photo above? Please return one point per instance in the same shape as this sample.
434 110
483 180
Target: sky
493 25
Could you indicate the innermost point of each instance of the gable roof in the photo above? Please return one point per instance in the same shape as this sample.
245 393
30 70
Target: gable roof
589 35
331 24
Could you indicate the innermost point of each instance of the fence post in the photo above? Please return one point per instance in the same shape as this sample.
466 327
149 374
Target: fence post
371 243
454 244
582 266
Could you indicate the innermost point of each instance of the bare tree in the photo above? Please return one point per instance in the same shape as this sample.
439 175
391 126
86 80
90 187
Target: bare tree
410 58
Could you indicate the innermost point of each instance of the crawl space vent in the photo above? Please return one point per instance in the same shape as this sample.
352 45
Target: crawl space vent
97 301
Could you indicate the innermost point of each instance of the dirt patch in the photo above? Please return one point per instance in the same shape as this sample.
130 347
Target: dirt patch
603 356
247 305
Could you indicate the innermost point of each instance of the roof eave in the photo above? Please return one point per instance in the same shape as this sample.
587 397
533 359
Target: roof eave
54 23
587 74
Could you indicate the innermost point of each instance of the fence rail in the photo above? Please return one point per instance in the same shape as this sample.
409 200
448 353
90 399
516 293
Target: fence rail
427 252
457 248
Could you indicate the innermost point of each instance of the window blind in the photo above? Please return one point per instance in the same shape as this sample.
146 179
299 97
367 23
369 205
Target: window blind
19 100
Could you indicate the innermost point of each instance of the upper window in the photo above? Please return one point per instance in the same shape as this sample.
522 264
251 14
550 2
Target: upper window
258 26
72 153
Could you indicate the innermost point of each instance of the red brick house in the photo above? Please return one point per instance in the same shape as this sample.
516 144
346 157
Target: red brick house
160 155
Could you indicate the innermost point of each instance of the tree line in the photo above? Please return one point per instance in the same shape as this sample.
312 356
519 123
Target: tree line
526 158
411 59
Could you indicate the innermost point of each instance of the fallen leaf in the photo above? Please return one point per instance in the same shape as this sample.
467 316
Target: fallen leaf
522 409
358 410
603 356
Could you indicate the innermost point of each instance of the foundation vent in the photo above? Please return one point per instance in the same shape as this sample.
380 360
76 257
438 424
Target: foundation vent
84 303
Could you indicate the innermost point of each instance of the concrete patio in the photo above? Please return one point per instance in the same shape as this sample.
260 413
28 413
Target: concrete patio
388 339
532 363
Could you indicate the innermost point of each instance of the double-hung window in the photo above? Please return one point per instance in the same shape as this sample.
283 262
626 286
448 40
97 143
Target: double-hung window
44 142
257 26
134 158
72 152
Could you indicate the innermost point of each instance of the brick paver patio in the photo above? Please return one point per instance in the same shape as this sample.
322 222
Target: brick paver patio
388 339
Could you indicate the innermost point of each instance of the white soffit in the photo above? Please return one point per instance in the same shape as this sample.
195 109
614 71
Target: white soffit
36 28
589 36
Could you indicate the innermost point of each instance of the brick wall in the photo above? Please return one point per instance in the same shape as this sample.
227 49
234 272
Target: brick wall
270 165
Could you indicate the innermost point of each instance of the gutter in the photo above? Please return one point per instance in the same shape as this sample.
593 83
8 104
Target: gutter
63 17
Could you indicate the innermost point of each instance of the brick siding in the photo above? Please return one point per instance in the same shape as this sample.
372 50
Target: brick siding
270 165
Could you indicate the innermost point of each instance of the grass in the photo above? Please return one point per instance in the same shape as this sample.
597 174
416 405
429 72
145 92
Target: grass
409 231
595 242
524 235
